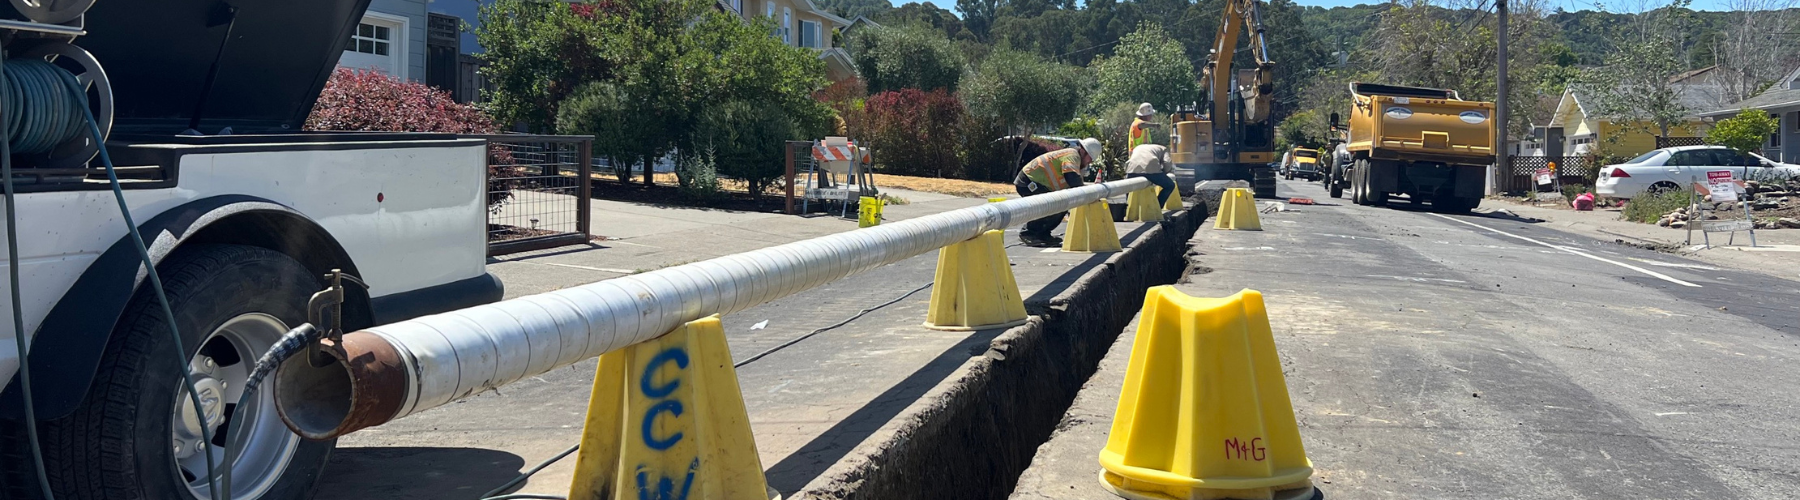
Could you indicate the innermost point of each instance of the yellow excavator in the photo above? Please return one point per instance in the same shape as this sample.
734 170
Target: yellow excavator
1232 137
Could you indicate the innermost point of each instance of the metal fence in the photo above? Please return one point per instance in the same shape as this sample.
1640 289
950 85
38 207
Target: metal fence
538 191
1522 177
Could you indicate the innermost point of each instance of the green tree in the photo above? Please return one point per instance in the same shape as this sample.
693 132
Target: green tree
1307 129
1744 132
926 14
1633 85
606 111
666 63
902 57
539 53
1022 92
755 94
1149 66
1013 93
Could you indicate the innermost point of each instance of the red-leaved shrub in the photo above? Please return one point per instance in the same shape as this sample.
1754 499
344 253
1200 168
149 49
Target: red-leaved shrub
371 100
915 132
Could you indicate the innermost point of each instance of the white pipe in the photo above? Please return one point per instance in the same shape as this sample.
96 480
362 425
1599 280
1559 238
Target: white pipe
411 366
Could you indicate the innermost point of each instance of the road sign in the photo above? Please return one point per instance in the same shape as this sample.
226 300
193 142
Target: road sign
1721 186
1544 178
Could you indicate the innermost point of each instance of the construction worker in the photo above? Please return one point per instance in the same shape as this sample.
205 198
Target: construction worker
1152 161
1053 171
1140 127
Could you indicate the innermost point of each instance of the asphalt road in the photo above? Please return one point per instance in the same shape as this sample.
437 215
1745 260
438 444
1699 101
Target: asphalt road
1471 356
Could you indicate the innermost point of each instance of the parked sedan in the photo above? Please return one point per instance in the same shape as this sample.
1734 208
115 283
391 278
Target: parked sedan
1672 168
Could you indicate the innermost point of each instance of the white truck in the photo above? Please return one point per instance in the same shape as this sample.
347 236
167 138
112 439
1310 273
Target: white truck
243 221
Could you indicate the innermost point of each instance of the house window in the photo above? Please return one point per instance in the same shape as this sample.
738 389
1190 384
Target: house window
737 5
787 25
372 39
769 9
809 34
378 43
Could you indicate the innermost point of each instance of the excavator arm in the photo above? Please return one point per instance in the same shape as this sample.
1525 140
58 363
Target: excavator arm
1256 91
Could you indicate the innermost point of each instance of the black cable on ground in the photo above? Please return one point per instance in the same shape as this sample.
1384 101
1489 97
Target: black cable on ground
541 465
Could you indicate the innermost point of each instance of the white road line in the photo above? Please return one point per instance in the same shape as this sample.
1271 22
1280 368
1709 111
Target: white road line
1572 251
573 266
1416 280
1674 264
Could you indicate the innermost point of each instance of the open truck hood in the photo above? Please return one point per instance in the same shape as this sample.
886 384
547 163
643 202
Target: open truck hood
157 56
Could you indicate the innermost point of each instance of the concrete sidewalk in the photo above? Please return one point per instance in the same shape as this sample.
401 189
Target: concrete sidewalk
810 403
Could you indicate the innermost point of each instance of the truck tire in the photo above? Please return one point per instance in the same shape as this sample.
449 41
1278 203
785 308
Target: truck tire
1358 189
1371 195
1336 188
231 302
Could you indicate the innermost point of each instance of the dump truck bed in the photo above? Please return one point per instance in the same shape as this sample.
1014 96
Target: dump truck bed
1420 124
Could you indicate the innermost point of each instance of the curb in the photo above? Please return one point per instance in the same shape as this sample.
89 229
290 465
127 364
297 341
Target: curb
973 434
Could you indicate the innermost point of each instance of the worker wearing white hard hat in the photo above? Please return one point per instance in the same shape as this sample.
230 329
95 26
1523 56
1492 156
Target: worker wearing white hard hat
1140 127
1049 172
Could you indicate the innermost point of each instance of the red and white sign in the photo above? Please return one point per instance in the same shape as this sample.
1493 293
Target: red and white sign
1721 186
834 153
1544 178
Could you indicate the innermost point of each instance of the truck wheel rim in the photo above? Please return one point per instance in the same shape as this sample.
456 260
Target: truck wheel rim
220 371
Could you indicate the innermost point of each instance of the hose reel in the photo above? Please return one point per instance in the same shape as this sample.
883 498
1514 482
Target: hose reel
46 87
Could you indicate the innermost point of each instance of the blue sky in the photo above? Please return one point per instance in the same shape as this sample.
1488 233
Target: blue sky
1571 5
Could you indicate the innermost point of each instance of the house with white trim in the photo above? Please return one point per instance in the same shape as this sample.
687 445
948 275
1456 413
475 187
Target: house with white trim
1782 101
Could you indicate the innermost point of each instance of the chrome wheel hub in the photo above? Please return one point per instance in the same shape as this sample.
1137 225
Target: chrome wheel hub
220 371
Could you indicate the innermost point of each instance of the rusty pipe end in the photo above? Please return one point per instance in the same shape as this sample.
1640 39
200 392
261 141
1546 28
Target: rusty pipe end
363 386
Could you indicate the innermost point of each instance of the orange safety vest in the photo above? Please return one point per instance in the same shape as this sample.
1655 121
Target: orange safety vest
1048 169
1140 135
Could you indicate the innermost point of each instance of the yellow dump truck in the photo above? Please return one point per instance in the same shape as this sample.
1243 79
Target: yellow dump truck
1427 144
1301 162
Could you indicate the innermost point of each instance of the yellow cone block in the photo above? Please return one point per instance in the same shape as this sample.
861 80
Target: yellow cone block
1140 206
1237 210
974 288
868 211
1091 230
1174 202
666 420
1204 413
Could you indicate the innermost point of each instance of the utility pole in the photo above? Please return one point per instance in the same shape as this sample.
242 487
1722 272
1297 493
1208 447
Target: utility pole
1502 160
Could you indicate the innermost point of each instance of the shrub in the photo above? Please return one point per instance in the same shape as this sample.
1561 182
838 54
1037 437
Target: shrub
1648 207
1744 132
370 100
903 57
915 132
699 177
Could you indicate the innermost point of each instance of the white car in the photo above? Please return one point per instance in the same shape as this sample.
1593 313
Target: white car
1672 168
